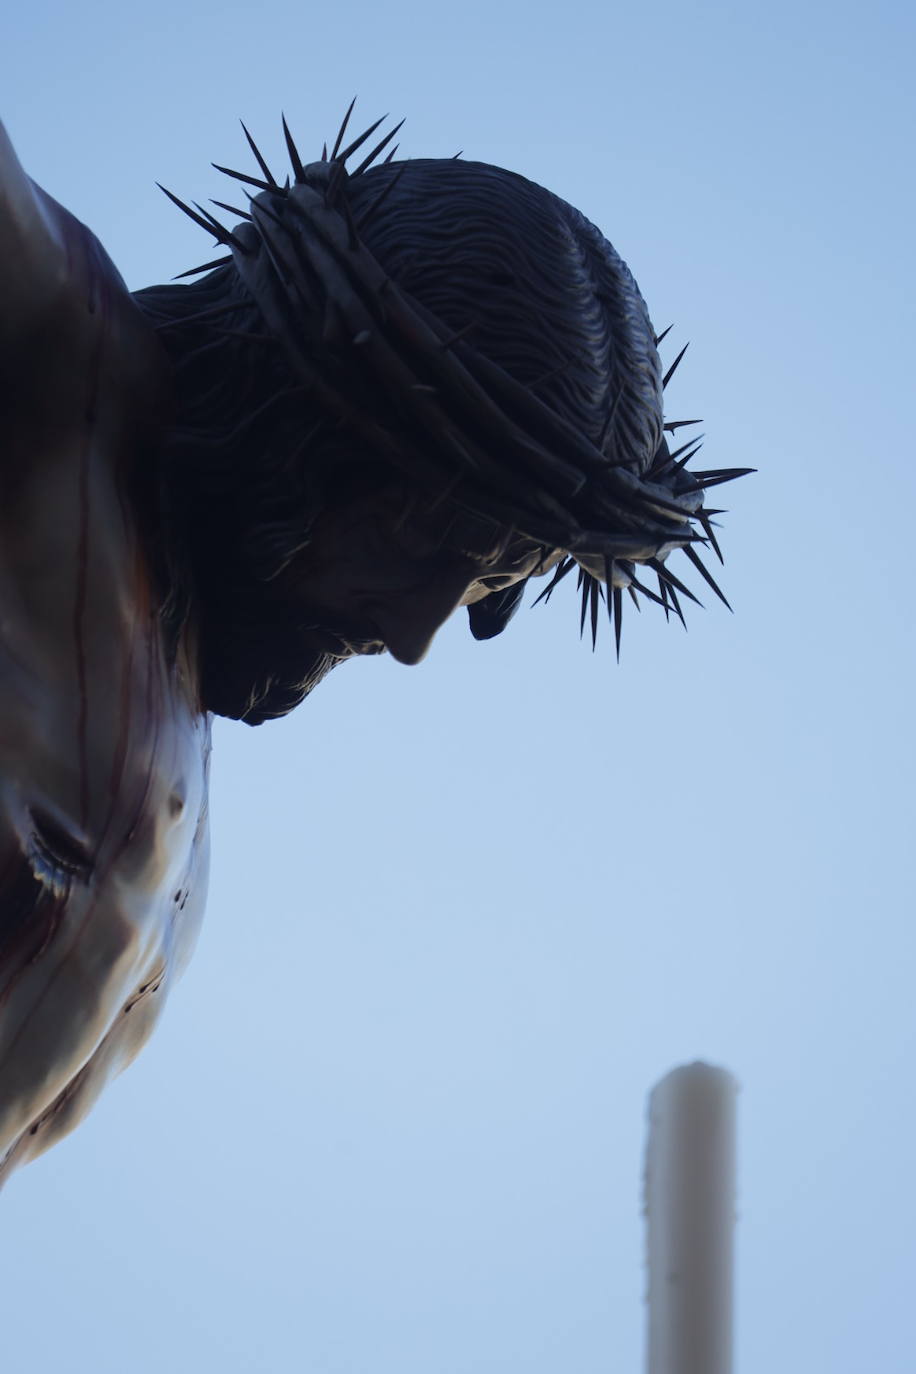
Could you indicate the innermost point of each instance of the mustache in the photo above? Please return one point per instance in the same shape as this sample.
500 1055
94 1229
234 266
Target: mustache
355 636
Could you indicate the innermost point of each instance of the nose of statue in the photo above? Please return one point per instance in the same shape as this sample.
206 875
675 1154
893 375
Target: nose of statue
409 621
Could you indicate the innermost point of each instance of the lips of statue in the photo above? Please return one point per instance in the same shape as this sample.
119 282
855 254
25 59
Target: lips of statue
378 575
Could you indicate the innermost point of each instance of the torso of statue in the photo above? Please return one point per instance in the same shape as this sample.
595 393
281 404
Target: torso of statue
103 745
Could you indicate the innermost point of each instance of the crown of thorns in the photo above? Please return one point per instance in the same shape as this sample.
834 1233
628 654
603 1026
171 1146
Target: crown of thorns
439 410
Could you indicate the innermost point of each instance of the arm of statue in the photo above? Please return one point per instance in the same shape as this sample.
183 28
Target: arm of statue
103 742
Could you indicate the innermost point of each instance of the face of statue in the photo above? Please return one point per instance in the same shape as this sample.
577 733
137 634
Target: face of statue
383 571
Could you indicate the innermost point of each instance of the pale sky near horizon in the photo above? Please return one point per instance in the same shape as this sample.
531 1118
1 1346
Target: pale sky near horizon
464 915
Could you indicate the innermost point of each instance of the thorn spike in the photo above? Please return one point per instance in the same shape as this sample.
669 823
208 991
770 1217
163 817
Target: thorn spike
704 572
367 161
341 131
663 593
715 477
222 233
705 521
676 606
665 572
672 457
205 220
609 583
646 591
204 267
244 177
358 142
673 368
268 175
233 209
691 453
294 158
565 566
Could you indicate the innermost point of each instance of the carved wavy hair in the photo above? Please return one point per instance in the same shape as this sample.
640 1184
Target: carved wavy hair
535 294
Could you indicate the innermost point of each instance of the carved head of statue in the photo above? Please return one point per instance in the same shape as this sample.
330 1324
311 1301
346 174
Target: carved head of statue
408 387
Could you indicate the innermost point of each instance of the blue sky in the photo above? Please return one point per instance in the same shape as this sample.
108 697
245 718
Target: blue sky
463 915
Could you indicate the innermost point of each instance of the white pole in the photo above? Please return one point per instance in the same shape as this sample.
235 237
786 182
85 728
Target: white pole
690 1206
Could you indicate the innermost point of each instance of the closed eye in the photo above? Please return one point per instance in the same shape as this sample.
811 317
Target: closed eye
57 848
520 559
497 581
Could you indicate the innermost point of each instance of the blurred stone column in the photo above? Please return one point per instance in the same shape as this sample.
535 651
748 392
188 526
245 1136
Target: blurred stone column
690 1209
